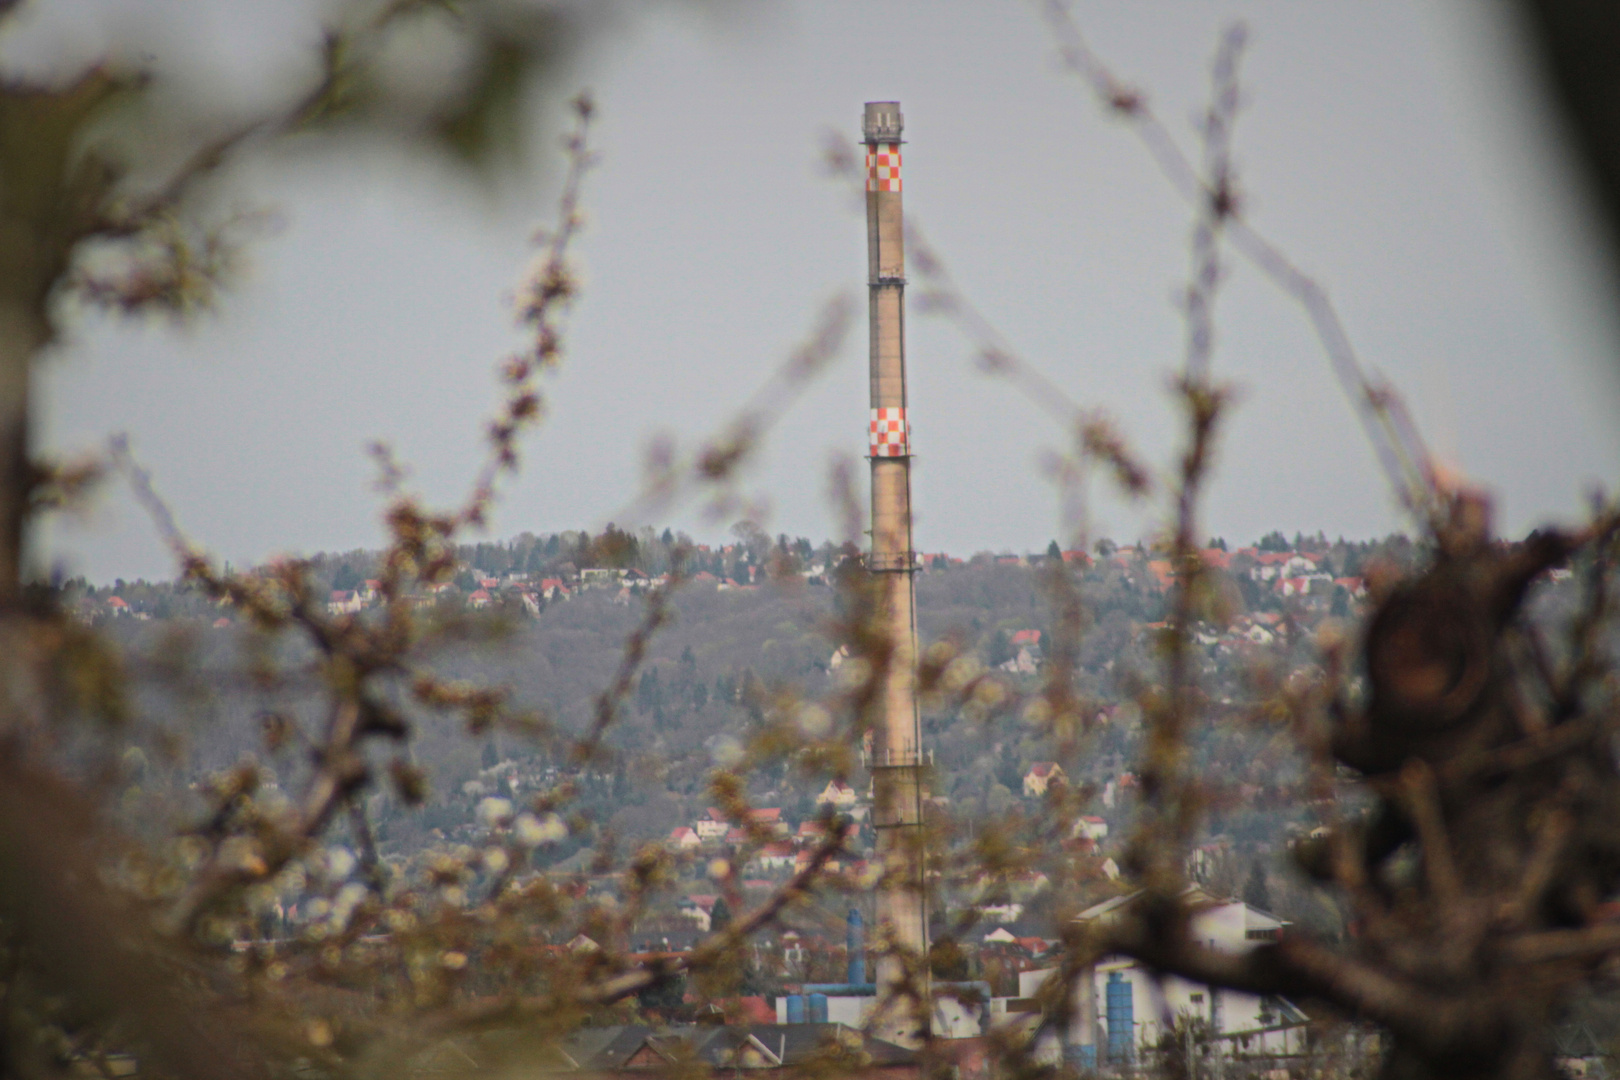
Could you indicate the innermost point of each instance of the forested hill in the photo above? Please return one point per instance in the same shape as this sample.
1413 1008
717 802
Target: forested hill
752 616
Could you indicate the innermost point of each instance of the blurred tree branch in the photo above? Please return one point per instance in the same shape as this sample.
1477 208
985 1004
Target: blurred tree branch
1576 44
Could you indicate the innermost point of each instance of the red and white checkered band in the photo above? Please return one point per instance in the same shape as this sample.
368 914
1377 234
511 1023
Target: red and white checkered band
883 167
891 433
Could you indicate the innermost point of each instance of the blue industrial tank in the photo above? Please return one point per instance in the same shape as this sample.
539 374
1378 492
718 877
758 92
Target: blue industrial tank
855 943
1121 1019
795 1009
818 1009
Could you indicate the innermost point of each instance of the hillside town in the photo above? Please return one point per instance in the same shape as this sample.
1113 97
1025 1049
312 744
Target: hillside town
1305 577
570 598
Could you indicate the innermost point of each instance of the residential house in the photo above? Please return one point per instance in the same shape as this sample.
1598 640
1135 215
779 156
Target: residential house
769 817
1035 946
1258 634
1294 586
1126 557
837 794
1009 911
1114 789
804 856
1162 573
1206 859
1269 564
700 909
1024 662
1042 775
711 826
1356 587
1300 564
714 1049
684 838
1091 828
777 856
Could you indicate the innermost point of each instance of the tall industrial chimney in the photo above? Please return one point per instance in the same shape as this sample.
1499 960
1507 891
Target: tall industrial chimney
896 743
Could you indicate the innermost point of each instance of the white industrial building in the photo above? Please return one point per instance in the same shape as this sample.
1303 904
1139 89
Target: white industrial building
1123 1009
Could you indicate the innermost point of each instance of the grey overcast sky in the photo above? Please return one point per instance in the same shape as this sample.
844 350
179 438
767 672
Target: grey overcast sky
1393 148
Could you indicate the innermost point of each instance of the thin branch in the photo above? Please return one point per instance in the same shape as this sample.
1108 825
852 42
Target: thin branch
1394 437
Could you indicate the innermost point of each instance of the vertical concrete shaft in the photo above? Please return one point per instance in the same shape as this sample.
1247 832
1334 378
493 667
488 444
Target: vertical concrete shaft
896 744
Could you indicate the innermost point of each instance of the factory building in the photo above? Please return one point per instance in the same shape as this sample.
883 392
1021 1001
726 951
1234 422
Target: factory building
1122 1009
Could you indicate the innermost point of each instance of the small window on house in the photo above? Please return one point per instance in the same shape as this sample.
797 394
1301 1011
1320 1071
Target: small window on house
1198 999
1261 935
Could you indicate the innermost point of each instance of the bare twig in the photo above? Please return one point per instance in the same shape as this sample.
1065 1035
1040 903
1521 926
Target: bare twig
1394 438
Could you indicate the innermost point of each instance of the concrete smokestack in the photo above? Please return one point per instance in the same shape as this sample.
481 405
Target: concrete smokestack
896 742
